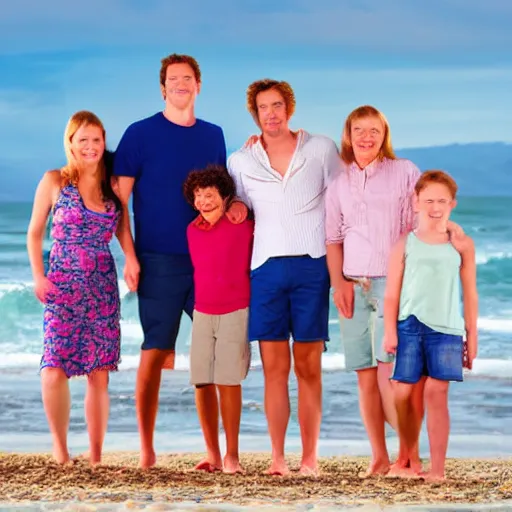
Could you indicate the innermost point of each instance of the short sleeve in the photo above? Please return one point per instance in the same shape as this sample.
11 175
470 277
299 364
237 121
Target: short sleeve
128 161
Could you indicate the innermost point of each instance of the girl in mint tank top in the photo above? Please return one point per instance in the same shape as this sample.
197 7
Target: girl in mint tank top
431 306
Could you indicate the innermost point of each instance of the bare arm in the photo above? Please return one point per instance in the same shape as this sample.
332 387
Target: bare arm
123 188
394 280
45 196
335 264
469 296
343 290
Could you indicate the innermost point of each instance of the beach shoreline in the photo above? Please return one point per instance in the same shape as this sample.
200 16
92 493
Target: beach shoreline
30 478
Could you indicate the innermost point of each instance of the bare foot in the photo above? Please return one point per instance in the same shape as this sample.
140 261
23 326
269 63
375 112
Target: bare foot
401 472
95 460
209 467
308 470
433 477
232 465
377 468
147 460
278 468
61 455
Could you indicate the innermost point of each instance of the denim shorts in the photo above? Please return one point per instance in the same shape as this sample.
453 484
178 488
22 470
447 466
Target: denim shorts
166 290
422 351
290 296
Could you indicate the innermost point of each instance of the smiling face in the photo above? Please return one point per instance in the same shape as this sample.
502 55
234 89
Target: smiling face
88 145
209 203
181 87
272 115
434 204
367 137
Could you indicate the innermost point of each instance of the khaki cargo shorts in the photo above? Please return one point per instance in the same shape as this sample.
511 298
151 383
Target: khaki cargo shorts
220 352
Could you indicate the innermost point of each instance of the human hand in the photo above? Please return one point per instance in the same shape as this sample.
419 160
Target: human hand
469 352
43 287
253 139
131 273
390 343
237 212
343 298
455 230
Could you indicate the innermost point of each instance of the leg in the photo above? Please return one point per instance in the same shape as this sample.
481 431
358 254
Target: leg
147 390
202 360
408 383
408 461
232 361
438 425
275 356
207 406
384 371
309 304
96 412
372 413
418 409
57 406
444 354
231 411
308 369
408 430
165 284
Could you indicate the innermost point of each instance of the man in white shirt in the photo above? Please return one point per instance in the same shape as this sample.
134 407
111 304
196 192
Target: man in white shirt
283 178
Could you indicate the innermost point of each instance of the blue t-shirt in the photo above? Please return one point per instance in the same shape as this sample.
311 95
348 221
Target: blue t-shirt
159 155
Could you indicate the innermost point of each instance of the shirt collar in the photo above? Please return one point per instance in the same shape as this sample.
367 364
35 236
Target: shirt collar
370 169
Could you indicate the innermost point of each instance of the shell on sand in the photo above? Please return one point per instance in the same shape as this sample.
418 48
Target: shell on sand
118 479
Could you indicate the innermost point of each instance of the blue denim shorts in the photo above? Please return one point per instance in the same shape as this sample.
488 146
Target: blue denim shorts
166 290
290 296
423 351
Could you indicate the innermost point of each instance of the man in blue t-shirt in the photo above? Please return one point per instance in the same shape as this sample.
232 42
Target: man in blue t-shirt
153 158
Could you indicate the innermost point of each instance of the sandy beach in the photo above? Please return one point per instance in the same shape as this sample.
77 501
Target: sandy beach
31 478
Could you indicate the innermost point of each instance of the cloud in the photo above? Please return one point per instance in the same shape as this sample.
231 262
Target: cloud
396 27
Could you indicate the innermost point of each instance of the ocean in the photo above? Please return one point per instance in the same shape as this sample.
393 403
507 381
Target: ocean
481 407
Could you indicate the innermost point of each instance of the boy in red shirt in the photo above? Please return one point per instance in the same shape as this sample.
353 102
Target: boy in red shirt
220 352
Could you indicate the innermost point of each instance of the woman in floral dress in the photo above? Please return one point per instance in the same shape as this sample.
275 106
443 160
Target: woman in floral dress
80 292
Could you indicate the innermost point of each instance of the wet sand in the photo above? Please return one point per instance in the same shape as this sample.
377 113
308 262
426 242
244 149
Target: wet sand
30 478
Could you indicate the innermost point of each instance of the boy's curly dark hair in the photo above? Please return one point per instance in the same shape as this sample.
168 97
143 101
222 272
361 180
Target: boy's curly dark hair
211 176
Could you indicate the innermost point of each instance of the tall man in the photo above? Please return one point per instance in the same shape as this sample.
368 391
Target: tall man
153 159
283 178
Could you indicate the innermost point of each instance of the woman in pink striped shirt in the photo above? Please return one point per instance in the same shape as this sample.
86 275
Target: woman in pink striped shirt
368 208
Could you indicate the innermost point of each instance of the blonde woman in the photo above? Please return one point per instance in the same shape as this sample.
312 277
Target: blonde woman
80 292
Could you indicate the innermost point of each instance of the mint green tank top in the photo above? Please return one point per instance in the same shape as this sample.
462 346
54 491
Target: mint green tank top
431 286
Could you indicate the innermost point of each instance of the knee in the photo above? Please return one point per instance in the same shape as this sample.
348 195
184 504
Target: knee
367 381
436 392
402 392
310 373
278 374
53 376
98 380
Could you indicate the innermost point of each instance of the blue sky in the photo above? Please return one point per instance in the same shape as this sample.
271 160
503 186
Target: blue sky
440 70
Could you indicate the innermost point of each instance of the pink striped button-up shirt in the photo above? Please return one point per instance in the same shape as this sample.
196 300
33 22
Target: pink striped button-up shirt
368 210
